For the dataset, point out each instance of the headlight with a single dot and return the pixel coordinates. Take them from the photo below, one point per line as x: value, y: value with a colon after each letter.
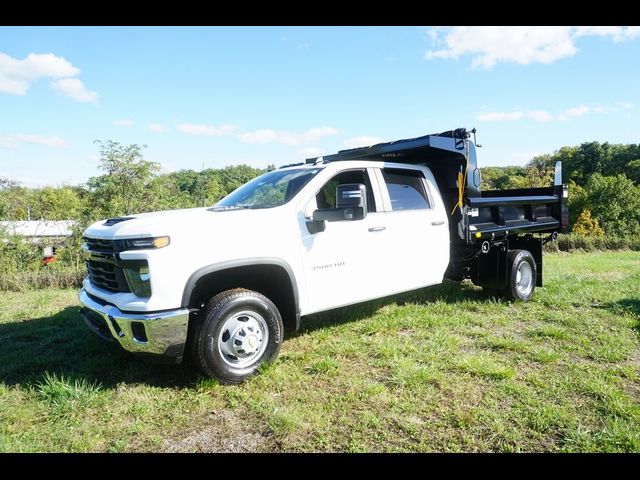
x: 145, y: 243
x: 138, y: 279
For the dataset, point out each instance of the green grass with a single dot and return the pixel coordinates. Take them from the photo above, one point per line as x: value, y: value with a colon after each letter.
x: 441, y: 369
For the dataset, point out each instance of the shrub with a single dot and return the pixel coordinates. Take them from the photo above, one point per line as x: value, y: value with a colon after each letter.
x: 44, y: 278
x: 587, y: 226
x: 568, y: 243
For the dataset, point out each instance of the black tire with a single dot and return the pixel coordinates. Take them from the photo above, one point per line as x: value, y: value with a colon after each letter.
x: 229, y: 310
x: 524, y: 289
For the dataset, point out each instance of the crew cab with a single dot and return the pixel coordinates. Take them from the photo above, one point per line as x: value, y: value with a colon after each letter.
x: 223, y: 284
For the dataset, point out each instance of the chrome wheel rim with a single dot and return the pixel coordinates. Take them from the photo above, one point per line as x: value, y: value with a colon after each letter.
x: 524, y: 279
x: 243, y: 339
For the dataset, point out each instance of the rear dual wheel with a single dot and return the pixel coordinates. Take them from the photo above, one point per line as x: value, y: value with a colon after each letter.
x: 521, y: 276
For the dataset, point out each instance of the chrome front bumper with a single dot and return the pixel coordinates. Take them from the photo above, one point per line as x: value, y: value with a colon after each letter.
x: 158, y: 334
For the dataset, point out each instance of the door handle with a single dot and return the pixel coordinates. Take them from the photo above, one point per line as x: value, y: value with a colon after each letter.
x: 439, y: 222
x: 377, y: 229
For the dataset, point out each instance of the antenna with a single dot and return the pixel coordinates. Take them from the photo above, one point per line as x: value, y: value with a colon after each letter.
x: 473, y: 130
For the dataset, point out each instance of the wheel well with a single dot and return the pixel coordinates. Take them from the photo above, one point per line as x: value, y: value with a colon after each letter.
x: 272, y: 281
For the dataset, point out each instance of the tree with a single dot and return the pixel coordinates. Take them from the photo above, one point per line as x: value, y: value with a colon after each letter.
x: 56, y: 203
x: 501, y: 178
x: 539, y: 171
x: 615, y: 202
x: 15, y: 202
x: 164, y: 194
x: 577, y: 201
x: 6, y: 183
x: 587, y: 226
x: 208, y: 191
x: 123, y: 190
x: 234, y: 176
x: 633, y: 171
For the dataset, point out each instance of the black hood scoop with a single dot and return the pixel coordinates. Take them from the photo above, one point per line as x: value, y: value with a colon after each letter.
x: 113, y: 221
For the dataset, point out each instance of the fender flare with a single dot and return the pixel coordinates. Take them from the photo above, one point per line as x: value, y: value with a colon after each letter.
x: 245, y: 262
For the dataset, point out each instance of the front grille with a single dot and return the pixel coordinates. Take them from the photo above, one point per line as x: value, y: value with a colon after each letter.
x: 103, y: 246
x: 107, y: 276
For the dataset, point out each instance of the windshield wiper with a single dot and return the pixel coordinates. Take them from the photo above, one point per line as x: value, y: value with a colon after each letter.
x: 228, y: 207
x: 257, y: 206
x: 240, y: 207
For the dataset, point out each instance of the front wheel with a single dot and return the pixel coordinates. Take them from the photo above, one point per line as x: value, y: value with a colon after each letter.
x: 241, y: 330
x: 521, y: 277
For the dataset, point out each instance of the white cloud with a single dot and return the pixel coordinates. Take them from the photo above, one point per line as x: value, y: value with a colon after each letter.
x: 13, y: 140
x: 302, y: 46
x: 157, y: 128
x: 314, y: 134
x: 206, y: 130
x: 75, y: 89
x: 523, y: 45
x: 537, y: 115
x: 609, y: 108
x: 259, y: 136
x: 124, y: 123
x: 287, y: 138
x: 581, y: 110
x: 363, y: 141
x: 540, y: 115
x: 310, y: 152
x: 544, y: 116
x: 617, y: 34
x: 16, y: 76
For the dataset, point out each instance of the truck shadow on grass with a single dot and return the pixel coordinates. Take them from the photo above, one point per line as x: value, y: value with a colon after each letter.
x: 448, y: 292
x: 62, y: 345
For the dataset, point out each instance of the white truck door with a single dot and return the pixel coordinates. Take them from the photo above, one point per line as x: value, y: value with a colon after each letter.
x: 416, y: 252
x: 341, y: 262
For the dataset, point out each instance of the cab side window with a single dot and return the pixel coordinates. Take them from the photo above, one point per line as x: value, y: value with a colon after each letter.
x: 326, y: 197
x: 406, y: 189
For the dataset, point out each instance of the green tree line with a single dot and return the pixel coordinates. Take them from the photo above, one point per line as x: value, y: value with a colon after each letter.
x: 604, y: 198
x: 604, y: 185
x: 128, y: 184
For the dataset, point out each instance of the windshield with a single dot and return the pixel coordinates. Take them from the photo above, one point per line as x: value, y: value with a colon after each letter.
x: 269, y: 190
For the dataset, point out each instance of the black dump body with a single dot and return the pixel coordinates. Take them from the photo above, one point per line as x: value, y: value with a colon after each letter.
x: 499, y: 217
x: 485, y: 215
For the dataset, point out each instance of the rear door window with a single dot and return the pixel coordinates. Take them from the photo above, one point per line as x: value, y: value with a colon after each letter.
x: 406, y: 189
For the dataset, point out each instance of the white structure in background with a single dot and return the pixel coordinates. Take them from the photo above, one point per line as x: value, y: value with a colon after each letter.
x: 37, y: 231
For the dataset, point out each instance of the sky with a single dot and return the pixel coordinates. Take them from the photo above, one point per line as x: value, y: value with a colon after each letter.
x: 208, y: 97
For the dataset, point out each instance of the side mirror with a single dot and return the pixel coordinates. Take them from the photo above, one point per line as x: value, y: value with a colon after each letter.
x: 351, y: 204
x: 352, y: 195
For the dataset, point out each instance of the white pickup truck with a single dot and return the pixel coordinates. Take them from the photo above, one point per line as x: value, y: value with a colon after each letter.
x: 224, y: 283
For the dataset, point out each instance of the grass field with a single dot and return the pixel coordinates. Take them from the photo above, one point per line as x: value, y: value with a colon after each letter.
x: 441, y: 369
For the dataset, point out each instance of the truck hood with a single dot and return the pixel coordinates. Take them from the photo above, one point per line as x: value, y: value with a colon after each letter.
x: 184, y: 222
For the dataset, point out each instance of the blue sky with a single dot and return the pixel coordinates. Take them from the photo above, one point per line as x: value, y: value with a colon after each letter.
x: 260, y: 95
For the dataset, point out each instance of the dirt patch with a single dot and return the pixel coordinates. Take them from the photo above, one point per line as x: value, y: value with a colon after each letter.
x: 221, y: 431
